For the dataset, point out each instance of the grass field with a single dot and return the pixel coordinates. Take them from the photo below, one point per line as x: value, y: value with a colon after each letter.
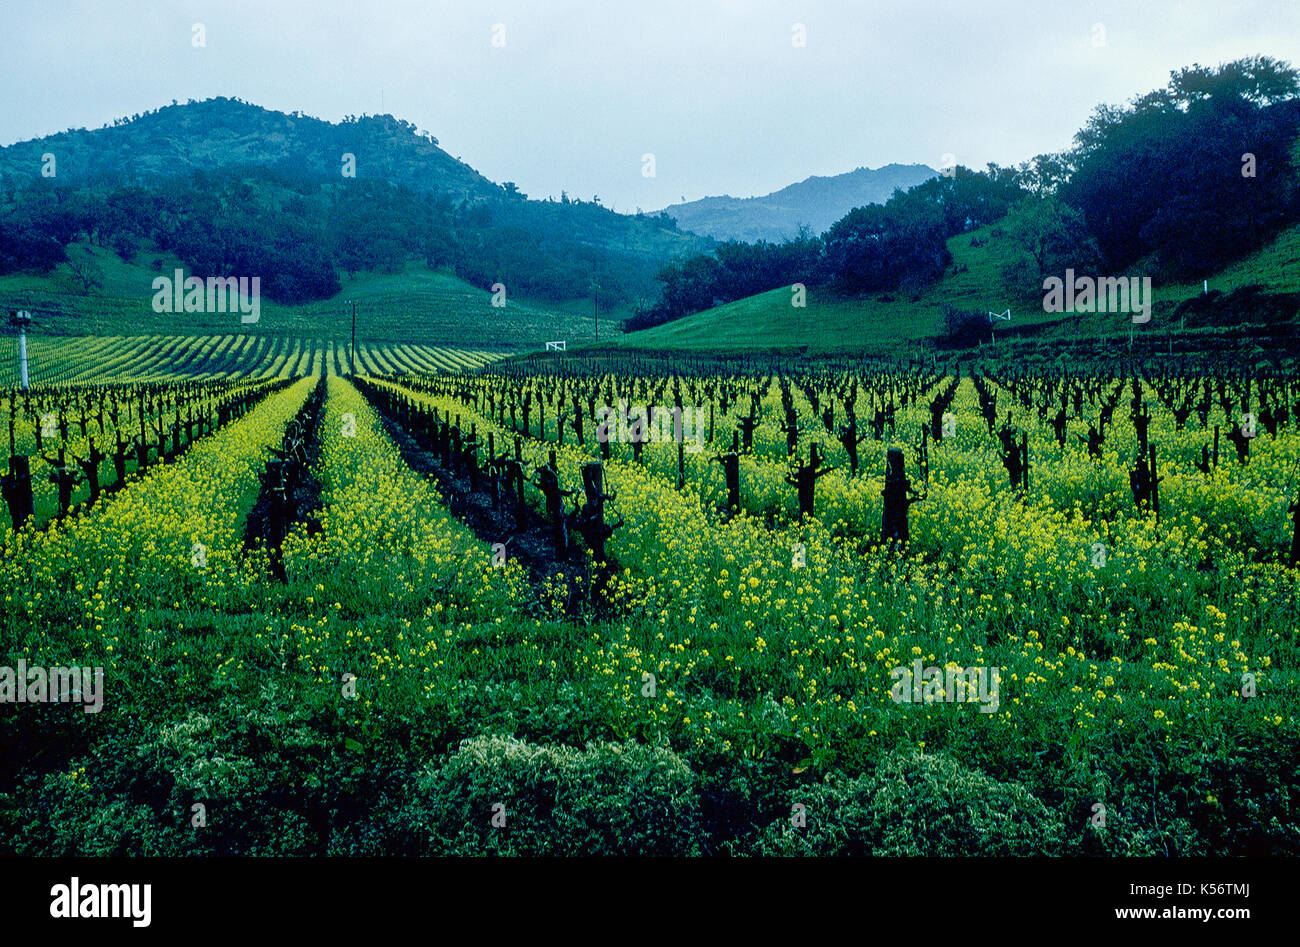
x: 416, y: 305
x: 831, y: 322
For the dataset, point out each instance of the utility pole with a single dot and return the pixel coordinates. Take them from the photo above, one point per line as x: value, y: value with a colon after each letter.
x: 22, y: 319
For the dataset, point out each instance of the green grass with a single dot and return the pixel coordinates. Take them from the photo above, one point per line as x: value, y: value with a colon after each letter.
x: 1276, y: 266
x: 398, y: 684
x: 833, y: 322
x: 416, y: 305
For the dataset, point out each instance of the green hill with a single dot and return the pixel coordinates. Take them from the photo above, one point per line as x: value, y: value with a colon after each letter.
x: 417, y: 305
x: 222, y: 132
x: 232, y: 189
x: 894, y: 322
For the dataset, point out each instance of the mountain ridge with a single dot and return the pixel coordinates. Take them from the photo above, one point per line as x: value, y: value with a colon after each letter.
x: 205, y: 135
x: 816, y: 202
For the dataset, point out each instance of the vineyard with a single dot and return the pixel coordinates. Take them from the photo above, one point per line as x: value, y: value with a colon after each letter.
x: 435, y: 603
x: 95, y: 359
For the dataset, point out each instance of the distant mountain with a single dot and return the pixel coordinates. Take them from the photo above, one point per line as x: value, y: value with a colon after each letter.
x: 817, y: 203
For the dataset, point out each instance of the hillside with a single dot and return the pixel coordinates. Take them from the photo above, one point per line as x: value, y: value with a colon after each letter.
x: 415, y: 305
x: 894, y: 323
x: 177, y: 139
x: 232, y: 189
x: 816, y: 203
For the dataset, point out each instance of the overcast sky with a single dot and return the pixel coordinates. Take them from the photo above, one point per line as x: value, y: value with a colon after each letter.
x: 580, y: 90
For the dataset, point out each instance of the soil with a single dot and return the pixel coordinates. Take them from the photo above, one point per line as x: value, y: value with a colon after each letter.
x: 530, y: 542
x: 306, y: 495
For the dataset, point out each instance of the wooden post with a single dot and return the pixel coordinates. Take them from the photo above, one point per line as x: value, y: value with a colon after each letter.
x: 521, y: 511
x: 804, y: 479
x: 898, y: 496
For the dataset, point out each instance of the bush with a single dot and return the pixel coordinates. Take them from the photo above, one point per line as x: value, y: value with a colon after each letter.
x: 916, y: 804
x: 263, y: 777
x: 965, y: 327
x: 1226, y: 798
x: 610, y: 799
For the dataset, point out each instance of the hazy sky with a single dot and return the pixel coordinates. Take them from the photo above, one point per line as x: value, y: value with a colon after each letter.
x: 716, y: 90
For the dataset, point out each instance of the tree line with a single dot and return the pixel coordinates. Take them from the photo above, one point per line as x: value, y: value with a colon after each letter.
x: 300, y: 232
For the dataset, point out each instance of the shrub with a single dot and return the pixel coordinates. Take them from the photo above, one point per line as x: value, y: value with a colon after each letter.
x: 261, y: 776
x: 610, y: 799
x: 964, y: 327
x: 916, y: 804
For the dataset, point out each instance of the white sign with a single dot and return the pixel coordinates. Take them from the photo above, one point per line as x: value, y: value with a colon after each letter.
x: 1004, y: 316
x: 555, y: 346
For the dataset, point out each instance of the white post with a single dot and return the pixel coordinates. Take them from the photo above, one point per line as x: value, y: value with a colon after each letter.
x: 22, y: 356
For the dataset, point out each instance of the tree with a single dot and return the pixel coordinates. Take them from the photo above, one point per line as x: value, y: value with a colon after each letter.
x: 86, y: 271
x: 1053, y: 235
x: 1162, y: 179
x: 877, y: 247
x: 23, y: 248
x: 968, y: 199
x: 1043, y: 174
x: 1260, y: 80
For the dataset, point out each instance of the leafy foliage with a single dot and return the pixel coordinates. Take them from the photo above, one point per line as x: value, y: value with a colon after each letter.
x: 1168, y: 177
x: 916, y: 805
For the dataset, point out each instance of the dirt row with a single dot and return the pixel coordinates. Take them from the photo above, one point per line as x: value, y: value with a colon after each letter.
x: 290, y: 492
x: 527, y: 538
